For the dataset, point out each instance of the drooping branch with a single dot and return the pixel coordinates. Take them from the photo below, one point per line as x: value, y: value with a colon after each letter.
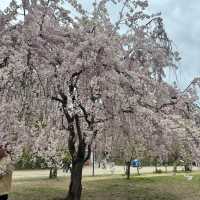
x: 85, y: 114
x: 57, y: 99
x: 63, y: 101
x: 43, y: 16
x: 4, y: 62
x: 71, y: 140
x: 88, y: 153
x: 64, y: 98
x: 78, y: 128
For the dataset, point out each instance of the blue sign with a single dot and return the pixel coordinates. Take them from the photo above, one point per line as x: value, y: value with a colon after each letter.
x: 135, y: 163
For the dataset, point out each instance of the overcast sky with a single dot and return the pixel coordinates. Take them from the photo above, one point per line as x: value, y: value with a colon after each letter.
x: 182, y: 23
x: 181, y: 18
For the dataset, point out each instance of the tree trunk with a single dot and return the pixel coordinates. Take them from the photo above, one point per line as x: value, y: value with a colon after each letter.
x: 53, y: 173
x: 156, y: 165
x: 128, y: 169
x: 165, y: 168
x: 93, y: 163
x: 175, y: 168
x: 187, y: 167
x: 75, y: 187
x: 78, y: 155
x: 138, y: 171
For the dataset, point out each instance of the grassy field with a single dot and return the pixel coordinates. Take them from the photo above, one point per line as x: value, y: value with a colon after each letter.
x: 148, y: 187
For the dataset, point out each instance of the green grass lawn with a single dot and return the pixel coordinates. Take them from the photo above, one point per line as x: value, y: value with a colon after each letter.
x: 111, y: 188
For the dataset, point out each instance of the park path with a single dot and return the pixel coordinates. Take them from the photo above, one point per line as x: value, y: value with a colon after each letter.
x: 87, y: 171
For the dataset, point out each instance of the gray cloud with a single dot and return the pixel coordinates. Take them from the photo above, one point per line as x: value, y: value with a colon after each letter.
x: 182, y: 23
x: 4, y: 3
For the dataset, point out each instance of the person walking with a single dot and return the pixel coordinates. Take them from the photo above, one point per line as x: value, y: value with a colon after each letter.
x: 6, y: 169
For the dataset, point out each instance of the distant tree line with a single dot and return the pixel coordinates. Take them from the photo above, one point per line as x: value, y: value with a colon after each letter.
x: 29, y: 160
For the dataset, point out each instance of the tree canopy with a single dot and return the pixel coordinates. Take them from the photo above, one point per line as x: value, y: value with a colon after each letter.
x: 81, y: 75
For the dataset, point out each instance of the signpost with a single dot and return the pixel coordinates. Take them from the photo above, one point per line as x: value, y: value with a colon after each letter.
x: 137, y: 164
